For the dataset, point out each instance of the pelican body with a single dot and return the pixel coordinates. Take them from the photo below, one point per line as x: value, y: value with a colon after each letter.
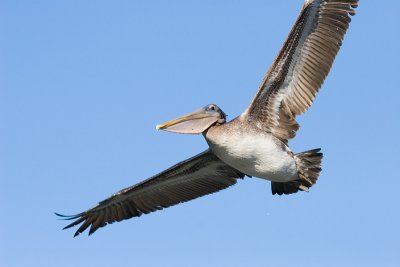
x: 254, y: 144
x: 249, y: 149
x: 252, y: 151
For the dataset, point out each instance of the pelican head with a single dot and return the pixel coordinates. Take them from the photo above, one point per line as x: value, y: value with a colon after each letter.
x: 196, y: 122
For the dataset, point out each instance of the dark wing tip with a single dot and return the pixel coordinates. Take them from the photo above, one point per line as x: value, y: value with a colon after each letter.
x: 61, y: 215
x: 85, y: 219
x: 67, y: 217
x: 79, y: 218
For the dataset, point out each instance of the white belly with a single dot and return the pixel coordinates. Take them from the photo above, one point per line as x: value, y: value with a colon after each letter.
x: 255, y: 154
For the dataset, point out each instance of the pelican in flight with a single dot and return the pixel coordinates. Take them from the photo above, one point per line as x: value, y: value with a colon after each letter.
x: 254, y: 143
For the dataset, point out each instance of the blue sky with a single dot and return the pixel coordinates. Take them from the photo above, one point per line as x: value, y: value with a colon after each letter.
x: 83, y: 84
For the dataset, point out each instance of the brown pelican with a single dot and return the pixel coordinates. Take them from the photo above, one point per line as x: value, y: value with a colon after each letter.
x: 256, y: 142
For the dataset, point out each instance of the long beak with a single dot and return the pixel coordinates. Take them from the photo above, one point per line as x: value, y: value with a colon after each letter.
x: 193, y: 123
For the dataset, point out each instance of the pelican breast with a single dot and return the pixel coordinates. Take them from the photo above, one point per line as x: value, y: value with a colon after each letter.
x: 252, y: 151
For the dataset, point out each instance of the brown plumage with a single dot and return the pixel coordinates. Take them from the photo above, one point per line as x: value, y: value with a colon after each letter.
x: 195, y: 177
x: 254, y: 143
x: 293, y: 80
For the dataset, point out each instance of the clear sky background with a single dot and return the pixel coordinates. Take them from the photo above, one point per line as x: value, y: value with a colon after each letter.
x: 83, y: 84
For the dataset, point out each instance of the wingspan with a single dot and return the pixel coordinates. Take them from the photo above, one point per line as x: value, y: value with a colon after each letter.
x: 293, y: 80
x: 195, y: 177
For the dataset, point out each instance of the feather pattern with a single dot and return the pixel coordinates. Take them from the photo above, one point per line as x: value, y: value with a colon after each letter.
x: 293, y: 80
x: 195, y: 177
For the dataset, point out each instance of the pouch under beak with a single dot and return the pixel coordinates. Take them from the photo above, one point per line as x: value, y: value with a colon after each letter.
x: 193, y: 123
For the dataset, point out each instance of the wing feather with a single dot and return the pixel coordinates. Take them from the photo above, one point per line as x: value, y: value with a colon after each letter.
x: 198, y: 176
x: 300, y: 68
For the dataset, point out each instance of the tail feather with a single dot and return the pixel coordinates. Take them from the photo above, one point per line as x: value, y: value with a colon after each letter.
x: 308, y: 167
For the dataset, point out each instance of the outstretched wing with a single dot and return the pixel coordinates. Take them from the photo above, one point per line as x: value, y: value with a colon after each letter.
x: 195, y: 177
x: 293, y: 80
